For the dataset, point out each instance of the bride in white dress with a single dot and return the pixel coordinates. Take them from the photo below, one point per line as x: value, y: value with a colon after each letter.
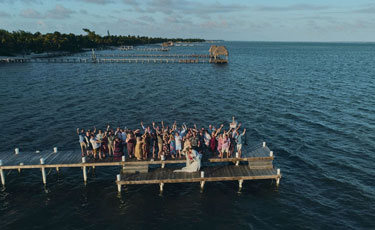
x: 193, y: 161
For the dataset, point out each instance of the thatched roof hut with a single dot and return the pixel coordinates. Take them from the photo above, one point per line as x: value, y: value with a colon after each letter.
x: 212, y: 48
x: 216, y: 51
x: 166, y: 44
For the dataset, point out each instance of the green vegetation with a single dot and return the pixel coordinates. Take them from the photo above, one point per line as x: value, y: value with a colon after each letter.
x: 21, y: 42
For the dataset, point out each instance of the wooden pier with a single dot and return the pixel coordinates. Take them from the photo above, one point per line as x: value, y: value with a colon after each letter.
x: 146, y: 55
x: 258, y: 166
x: 216, y: 56
x: 126, y: 48
x: 108, y: 60
x: 238, y: 173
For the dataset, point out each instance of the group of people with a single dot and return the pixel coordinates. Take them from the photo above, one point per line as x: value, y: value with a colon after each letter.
x: 162, y: 141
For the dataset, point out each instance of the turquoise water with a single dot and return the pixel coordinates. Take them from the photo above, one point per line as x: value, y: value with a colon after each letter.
x: 313, y: 103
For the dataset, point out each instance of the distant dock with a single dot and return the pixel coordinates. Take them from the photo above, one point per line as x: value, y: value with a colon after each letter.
x: 113, y: 60
x: 217, y: 55
x: 126, y: 48
x: 108, y: 60
x: 259, y: 166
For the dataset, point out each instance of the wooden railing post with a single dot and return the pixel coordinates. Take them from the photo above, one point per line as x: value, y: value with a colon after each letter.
x: 123, y: 162
x: 84, y: 169
x: 278, y: 178
x: 118, y: 178
x: 202, y: 182
x: 43, y: 171
x: 2, y: 173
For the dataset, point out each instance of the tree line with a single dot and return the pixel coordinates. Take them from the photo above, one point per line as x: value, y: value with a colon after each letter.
x: 22, y: 42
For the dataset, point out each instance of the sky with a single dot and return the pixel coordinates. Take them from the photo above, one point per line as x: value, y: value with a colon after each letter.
x: 237, y: 20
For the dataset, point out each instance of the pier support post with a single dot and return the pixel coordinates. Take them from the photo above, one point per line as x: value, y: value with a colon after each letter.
x: 271, y: 153
x: 162, y: 163
x: 118, y: 178
x: 240, y: 184
x: 84, y: 169
x: 43, y: 171
x: 57, y: 169
x: 202, y: 182
x: 278, y: 178
x: 2, y: 173
x: 123, y: 162
x: 264, y: 144
x: 16, y: 150
x: 161, y: 187
x: 19, y: 169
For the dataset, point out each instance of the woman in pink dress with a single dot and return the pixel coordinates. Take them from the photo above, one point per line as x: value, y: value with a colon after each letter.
x: 219, y: 145
x: 225, y: 145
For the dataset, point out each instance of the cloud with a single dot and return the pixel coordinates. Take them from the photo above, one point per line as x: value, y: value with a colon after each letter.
x: 295, y: 7
x: 83, y: 12
x: 176, y: 19
x: 365, y: 10
x: 31, y: 13
x: 214, y: 24
x: 23, y: 1
x: 101, y: 2
x: 185, y: 7
x: 131, y: 2
x: 59, y: 12
x: 4, y: 14
x: 41, y: 24
x: 146, y: 18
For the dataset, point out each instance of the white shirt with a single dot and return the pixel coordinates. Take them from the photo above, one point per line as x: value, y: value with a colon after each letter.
x: 178, y: 140
x: 94, y: 144
x: 207, y: 139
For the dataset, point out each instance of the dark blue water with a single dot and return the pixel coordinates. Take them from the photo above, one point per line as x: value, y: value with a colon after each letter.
x: 313, y: 103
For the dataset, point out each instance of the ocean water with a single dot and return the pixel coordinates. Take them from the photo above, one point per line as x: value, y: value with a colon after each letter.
x: 313, y: 103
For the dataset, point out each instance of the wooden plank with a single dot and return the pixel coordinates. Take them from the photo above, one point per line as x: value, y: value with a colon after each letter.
x: 214, y: 173
x: 72, y: 158
x: 197, y: 179
x: 51, y: 158
x: 61, y: 157
x: 5, y: 156
x: 24, y: 157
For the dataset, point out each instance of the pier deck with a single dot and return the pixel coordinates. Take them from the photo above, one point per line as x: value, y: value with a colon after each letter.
x: 73, y: 158
x: 207, y: 174
x: 212, y: 173
x: 258, y: 158
x: 107, y: 60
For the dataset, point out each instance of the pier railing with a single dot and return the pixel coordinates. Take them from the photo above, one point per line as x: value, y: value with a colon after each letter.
x: 259, y: 158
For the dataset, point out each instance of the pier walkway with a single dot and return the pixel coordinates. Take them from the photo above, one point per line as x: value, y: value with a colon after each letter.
x: 238, y: 173
x: 112, y: 60
x: 122, y: 58
x: 142, y: 49
x: 258, y: 165
x: 145, y: 55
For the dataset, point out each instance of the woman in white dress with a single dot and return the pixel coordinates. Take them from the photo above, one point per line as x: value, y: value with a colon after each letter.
x: 193, y: 161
